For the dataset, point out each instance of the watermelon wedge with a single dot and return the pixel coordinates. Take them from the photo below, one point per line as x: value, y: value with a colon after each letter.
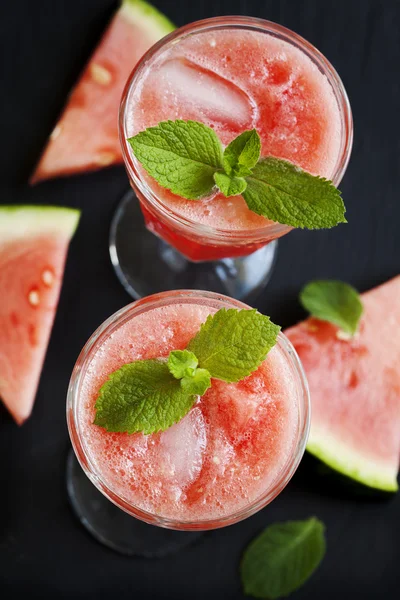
x: 86, y: 136
x: 355, y: 390
x: 33, y: 246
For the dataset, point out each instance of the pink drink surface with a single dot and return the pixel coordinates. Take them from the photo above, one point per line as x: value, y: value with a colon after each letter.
x: 227, y: 452
x: 235, y: 80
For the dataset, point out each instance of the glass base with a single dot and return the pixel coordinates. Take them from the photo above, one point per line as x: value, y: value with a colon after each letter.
x: 145, y: 264
x: 114, y: 528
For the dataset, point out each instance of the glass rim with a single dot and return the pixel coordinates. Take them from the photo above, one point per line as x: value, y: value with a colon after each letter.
x: 98, y: 337
x: 153, y: 202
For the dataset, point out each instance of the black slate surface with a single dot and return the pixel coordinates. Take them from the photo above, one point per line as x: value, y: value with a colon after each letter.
x: 43, y: 550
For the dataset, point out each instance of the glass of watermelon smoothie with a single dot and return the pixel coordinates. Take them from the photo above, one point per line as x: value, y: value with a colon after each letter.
x: 230, y: 456
x: 232, y: 74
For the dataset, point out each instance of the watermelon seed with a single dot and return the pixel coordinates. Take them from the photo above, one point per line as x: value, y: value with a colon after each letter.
x: 32, y: 335
x: 216, y: 460
x: 14, y: 319
x: 34, y: 298
x: 343, y: 335
x: 56, y: 132
x: 100, y: 74
x: 47, y: 277
x: 105, y: 159
x: 353, y: 381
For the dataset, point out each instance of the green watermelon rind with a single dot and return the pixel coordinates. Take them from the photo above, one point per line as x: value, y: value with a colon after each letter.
x: 21, y: 221
x: 147, y: 17
x: 348, y: 462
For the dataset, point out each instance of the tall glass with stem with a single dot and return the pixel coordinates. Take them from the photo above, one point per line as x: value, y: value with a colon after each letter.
x: 233, y: 74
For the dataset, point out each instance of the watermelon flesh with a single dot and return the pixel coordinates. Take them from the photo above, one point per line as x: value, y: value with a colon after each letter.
x: 355, y: 390
x: 86, y: 136
x: 33, y: 247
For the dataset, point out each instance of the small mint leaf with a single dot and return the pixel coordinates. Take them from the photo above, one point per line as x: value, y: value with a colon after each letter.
x: 333, y: 301
x: 282, y: 558
x: 284, y: 193
x: 229, y: 185
x: 232, y: 343
x: 182, y: 363
x: 243, y: 151
x: 142, y: 396
x: 198, y: 383
x: 241, y: 171
x: 182, y: 156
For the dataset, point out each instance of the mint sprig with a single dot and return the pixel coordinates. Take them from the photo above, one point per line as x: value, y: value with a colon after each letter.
x: 333, y: 301
x: 151, y: 395
x: 187, y: 158
x: 282, y: 558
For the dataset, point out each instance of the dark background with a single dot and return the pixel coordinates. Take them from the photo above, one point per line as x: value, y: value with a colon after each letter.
x: 43, y: 549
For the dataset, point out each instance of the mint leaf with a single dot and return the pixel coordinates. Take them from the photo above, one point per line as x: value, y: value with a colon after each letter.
x: 333, y: 301
x: 182, y: 363
x: 232, y: 343
x: 242, y: 171
x: 242, y: 154
x: 282, y: 558
x: 284, y: 193
x: 198, y: 383
x: 142, y: 396
x: 230, y: 185
x: 182, y: 156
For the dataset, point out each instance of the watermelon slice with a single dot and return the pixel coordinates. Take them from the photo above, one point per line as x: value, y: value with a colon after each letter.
x: 355, y: 390
x: 86, y: 136
x: 33, y: 246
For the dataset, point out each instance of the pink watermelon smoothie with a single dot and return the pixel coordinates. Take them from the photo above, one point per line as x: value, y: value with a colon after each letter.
x: 233, y: 80
x: 232, y: 448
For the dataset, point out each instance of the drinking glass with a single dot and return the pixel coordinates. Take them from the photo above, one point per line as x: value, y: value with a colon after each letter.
x: 111, y: 518
x: 169, y: 251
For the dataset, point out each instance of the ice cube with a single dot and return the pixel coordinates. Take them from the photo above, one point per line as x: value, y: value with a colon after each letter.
x: 190, y: 87
x: 183, y: 446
